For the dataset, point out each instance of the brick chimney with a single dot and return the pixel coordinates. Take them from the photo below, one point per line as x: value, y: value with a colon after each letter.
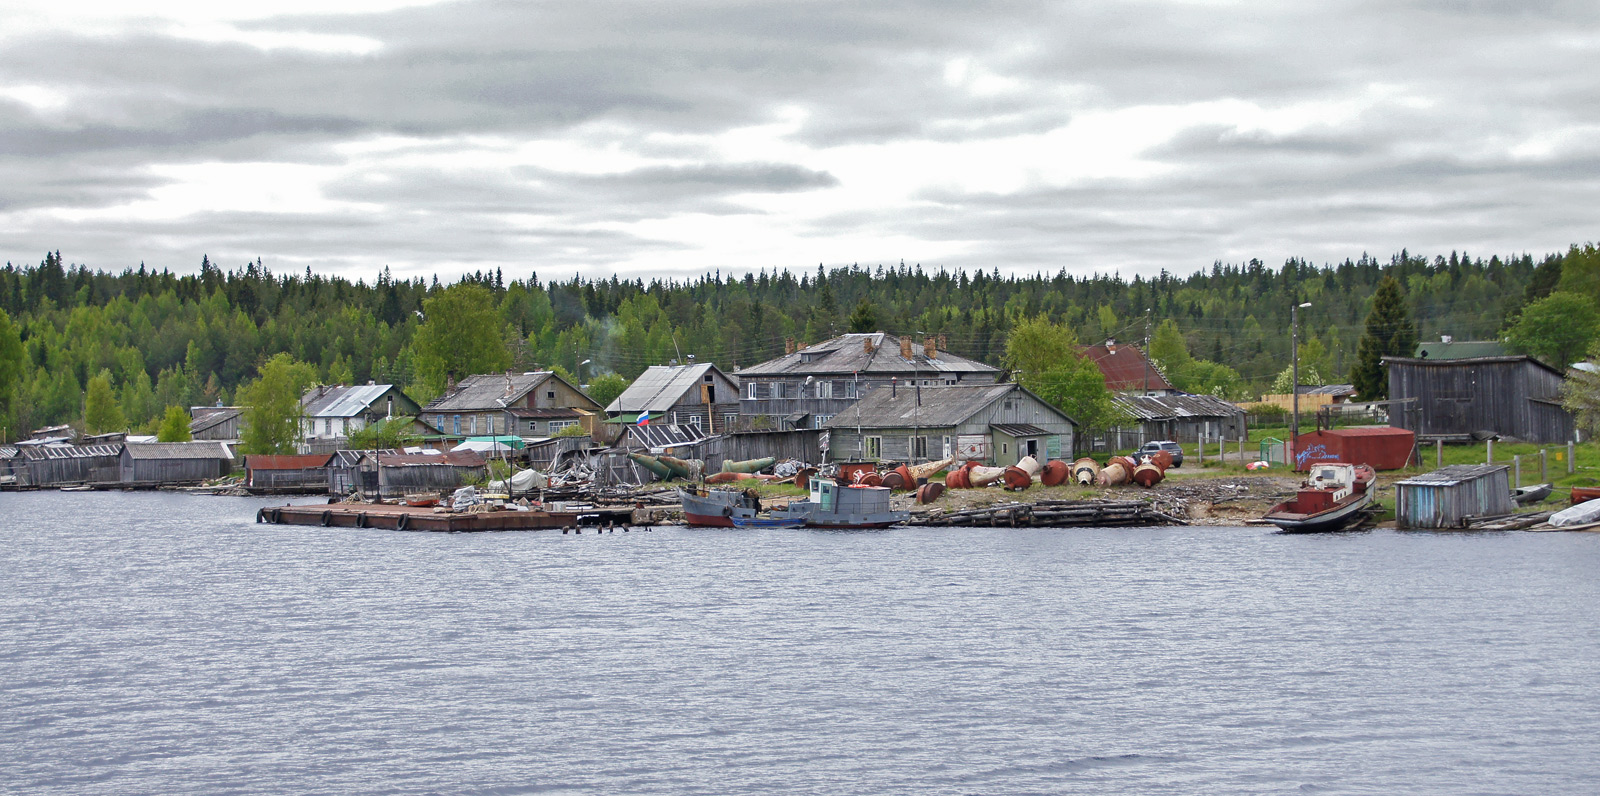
x: 930, y: 347
x: 866, y: 344
x: 905, y: 348
x: 943, y: 346
x: 788, y: 346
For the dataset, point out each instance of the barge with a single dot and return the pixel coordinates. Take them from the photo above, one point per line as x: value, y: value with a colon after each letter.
x: 416, y: 518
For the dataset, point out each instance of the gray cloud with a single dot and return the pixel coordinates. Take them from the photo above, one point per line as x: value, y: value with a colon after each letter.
x: 1428, y: 124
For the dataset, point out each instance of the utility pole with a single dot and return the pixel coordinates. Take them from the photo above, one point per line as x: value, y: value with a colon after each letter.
x: 1294, y: 388
x: 1147, y: 350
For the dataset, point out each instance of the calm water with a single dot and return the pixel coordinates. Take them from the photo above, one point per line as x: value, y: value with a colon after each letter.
x: 166, y: 644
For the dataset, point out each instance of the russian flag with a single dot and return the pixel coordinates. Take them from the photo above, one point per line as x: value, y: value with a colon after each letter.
x: 644, y: 418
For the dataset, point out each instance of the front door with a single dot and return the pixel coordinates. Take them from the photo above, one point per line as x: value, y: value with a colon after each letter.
x: 1032, y: 448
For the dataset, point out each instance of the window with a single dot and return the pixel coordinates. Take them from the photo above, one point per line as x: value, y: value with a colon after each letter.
x: 533, y: 426
x: 874, y: 448
x: 750, y: 390
x: 488, y: 423
x: 694, y: 420
x: 919, y: 447
x: 729, y: 421
x: 824, y: 389
x: 557, y: 425
x: 327, y: 427
x: 551, y: 395
x: 946, y: 448
x: 455, y: 422
x: 817, y: 421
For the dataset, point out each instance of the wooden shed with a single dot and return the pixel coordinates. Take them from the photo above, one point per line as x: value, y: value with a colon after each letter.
x: 1448, y: 497
x: 166, y: 463
x: 1184, y: 418
x: 998, y: 423
x: 288, y: 472
x: 13, y: 468
x: 401, y: 474
x: 1513, y: 396
x: 72, y: 464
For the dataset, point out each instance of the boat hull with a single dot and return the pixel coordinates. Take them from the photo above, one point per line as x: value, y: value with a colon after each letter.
x: 1341, y: 516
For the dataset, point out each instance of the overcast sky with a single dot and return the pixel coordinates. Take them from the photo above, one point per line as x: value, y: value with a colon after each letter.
x: 666, y: 138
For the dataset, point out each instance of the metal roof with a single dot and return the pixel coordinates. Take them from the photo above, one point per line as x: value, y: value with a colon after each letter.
x: 1366, y: 431
x: 1168, y: 407
x: 941, y: 406
x: 341, y: 401
x: 1452, y: 475
x: 177, y: 450
x: 1328, y: 389
x: 665, y: 436
x: 452, y: 459
x: 9, y: 452
x: 487, y: 391
x: 1465, y: 361
x: 661, y: 386
x: 1460, y: 349
x: 849, y: 353
x: 1125, y: 367
x: 1020, y: 429
x: 558, y: 413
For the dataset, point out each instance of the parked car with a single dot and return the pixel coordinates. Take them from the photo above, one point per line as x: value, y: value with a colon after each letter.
x: 1163, y: 445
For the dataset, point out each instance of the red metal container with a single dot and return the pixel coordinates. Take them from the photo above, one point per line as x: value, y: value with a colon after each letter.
x: 1382, y: 447
x: 1056, y: 473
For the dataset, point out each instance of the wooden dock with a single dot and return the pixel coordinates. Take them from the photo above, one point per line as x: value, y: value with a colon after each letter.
x: 1051, y: 514
x: 412, y: 518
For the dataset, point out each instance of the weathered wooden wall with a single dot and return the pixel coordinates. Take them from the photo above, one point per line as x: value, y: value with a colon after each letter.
x: 1511, y: 397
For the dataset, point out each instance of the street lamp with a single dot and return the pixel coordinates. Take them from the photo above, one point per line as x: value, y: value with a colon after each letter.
x: 1294, y: 355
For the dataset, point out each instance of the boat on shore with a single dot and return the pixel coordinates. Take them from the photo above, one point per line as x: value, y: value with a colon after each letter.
x: 854, y: 507
x: 1524, y: 495
x: 1333, y: 498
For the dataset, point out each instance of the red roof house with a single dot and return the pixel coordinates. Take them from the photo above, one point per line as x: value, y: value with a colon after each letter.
x: 1126, y: 370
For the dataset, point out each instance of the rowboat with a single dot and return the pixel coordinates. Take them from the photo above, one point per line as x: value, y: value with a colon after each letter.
x: 1333, y: 498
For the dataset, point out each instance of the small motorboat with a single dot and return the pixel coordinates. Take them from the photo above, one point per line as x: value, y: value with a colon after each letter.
x: 1525, y: 495
x: 790, y: 516
x: 1333, y: 498
x: 853, y: 507
x: 422, y: 500
x: 1584, y: 494
x: 716, y: 508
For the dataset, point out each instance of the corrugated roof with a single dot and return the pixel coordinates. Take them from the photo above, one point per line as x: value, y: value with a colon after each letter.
x: 1124, y: 368
x: 1368, y: 431
x: 941, y: 406
x: 72, y: 451
x: 1328, y: 389
x: 665, y: 436
x: 8, y: 452
x: 847, y: 354
x: 1452, y: 475
x: 1465, y: 361
x: 661, y: 386
x: 177, y: 450
x: 1020, y: 429
x: 341, y: 401
x: 307, y: 462
x: 487, y: 391
x: 1463, y: 349
x: 1168, y: 407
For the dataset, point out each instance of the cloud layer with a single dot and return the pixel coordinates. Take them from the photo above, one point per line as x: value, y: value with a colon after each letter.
x: 660, y: 139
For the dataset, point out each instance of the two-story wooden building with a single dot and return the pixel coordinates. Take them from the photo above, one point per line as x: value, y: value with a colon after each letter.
x: 809, y: 385
x: 334, y: 412
x: 995, y: 423
x: 698, y: 395
x: 508, y: 403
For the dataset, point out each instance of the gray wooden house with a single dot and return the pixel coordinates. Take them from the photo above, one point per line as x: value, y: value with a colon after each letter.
x: 698, y: 395
x: 166, y: 463
x: 307, y: 471
x: 994, y: 423
x: 401, y: 474
x: 809, y: 385
x: 216, y: 422
x: 487, y: 404
x: 333, y: 412
x: 1513, y: 396
x: 13, y: 468
x: 1183, y: 418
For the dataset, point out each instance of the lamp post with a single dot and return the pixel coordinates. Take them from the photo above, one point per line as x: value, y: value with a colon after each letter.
x: 1294, y: 358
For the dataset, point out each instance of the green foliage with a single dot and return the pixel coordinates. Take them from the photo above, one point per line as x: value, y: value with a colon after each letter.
x: 1556, y: 329
x: 571, y: 431
x: 606, y: 387
x: 1580, y: 395
x: 1580, y: 272
x: 101, y: 412
x: 1044, y: 358
x: 12, y: 362
x: 385, y: 434
x: 460, y: 336
x: 1168, y: 350
x: 174, y: 426
x: 1389, y: 332
x: 864, y: 319
x: 273, y: 415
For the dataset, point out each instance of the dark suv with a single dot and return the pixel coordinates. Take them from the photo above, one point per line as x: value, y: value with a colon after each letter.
x: 1167, y: 445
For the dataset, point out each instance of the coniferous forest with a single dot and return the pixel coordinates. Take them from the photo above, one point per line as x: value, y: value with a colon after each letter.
x: 158, y: 338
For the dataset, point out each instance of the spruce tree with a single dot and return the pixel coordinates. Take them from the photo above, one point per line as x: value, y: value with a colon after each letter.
x: 1389, y: 333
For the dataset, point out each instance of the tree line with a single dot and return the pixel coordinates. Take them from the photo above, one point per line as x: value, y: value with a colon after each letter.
x: 132, y: 343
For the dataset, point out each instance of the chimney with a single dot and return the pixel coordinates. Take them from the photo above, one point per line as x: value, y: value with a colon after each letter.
x: 930, y: 347
x: 801, y: 346
x: 788, y: 346
x: 1111, y: 344
x: 1444, y: 338
x: 943, y: 346
x: 905, y: 348
x: 866, y: 344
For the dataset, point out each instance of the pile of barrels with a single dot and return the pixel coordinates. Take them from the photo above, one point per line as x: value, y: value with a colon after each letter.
x: 1147, y: 472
